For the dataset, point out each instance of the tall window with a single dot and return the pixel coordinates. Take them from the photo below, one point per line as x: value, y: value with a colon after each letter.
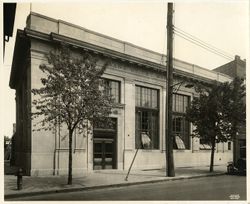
x: 181, y: 126
x: 147, y: 118
x: 112, y: 88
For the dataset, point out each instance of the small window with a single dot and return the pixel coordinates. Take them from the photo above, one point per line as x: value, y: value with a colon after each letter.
x: 146, y: 97
x: 229, y: 146
x: 112, y: 88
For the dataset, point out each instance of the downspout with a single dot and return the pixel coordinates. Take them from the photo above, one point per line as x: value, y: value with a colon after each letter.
x: 59, y: 146
x: 54, y: 158
x: 87, y: 152
x: 162, y: 145
x: 124, y: 126
x: 74, y: 142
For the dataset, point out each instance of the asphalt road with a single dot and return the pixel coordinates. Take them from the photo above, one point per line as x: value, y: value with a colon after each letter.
x: 223, y: 187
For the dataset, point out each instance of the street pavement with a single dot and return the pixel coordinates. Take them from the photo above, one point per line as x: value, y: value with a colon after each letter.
x: 224, y: 187
x: 99, y: 179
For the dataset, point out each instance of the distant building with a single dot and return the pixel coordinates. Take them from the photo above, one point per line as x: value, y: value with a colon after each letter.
x: 236, y: 68
x: 137, y: 79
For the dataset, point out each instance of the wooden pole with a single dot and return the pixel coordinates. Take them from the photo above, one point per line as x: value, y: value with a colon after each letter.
x: 169, y: 96
x: 131, y: 165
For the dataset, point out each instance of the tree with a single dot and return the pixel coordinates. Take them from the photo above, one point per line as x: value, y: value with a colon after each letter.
x: 72, y: 93
x: 217, y: 113
x: 236, y: 109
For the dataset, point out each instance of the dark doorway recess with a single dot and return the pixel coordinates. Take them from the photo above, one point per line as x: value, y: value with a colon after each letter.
x: 104, y: 146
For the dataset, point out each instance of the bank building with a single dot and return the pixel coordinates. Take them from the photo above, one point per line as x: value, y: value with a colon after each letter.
x: 137, y: 79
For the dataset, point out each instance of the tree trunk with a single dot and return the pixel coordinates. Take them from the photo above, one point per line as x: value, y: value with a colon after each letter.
x: 70, y: 158
x: 235, y: 144
x: 212, y: 156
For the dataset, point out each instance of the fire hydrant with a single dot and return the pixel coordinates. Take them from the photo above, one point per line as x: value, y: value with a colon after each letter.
x: 19, y: 175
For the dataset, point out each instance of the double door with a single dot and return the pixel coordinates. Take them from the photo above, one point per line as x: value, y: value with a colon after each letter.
x: 104, y: 153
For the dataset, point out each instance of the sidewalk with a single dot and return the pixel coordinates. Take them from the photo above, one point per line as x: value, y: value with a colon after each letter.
x: 100, y: 179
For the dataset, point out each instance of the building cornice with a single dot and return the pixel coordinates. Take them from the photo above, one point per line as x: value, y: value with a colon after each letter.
x: 181, y: 68
x: 56, y: 38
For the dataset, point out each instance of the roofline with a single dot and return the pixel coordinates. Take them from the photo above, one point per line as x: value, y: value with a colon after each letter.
x: 53, y: 37
x: 93, y: 32
x: 160, y: 63
x: 155, y: 62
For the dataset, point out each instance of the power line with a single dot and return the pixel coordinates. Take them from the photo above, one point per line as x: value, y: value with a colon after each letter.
x: 201, y: 41
x: 204, y: 47
x: 202, y: 44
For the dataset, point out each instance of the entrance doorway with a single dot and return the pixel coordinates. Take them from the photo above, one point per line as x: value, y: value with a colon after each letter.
x: 104, y: 147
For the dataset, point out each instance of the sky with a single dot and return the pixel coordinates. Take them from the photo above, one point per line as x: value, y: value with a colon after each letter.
x: 223, y: 24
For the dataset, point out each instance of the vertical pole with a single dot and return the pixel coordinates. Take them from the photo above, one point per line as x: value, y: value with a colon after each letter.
x: 169, y: 84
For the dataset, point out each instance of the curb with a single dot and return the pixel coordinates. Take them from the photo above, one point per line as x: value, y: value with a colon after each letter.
x: 18, y: 195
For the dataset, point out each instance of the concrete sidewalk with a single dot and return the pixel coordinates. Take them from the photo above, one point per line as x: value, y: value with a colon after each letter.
x: 100, y: 179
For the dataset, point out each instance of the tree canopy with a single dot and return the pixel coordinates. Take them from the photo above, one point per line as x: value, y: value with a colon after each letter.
x: 72, y: 92
x: 218, y: 112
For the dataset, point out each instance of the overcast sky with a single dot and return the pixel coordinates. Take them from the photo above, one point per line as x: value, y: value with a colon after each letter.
x: 223, y: 24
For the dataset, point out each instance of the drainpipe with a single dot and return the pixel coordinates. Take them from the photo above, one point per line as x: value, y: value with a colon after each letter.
x: 59, y: 146
x: 54, y: 158
x: 87, y: 152
x: 124, y: 128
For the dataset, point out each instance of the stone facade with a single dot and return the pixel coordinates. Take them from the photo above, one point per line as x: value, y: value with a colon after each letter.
x: 46, y: 153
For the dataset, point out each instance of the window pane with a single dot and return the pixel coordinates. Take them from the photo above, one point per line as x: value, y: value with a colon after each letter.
x: 181, y: 104
x: 138, y: 95
x: 174, y: 101
x: 185, y: 104
x: 155, y: 130
x: 154, y: 99
x: 137, y: 130
x: 143, y: 97
x: 149, y: 98
x: 177, y: 103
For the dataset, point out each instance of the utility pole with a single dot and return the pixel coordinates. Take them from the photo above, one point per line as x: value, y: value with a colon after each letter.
x: 169, y: 96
